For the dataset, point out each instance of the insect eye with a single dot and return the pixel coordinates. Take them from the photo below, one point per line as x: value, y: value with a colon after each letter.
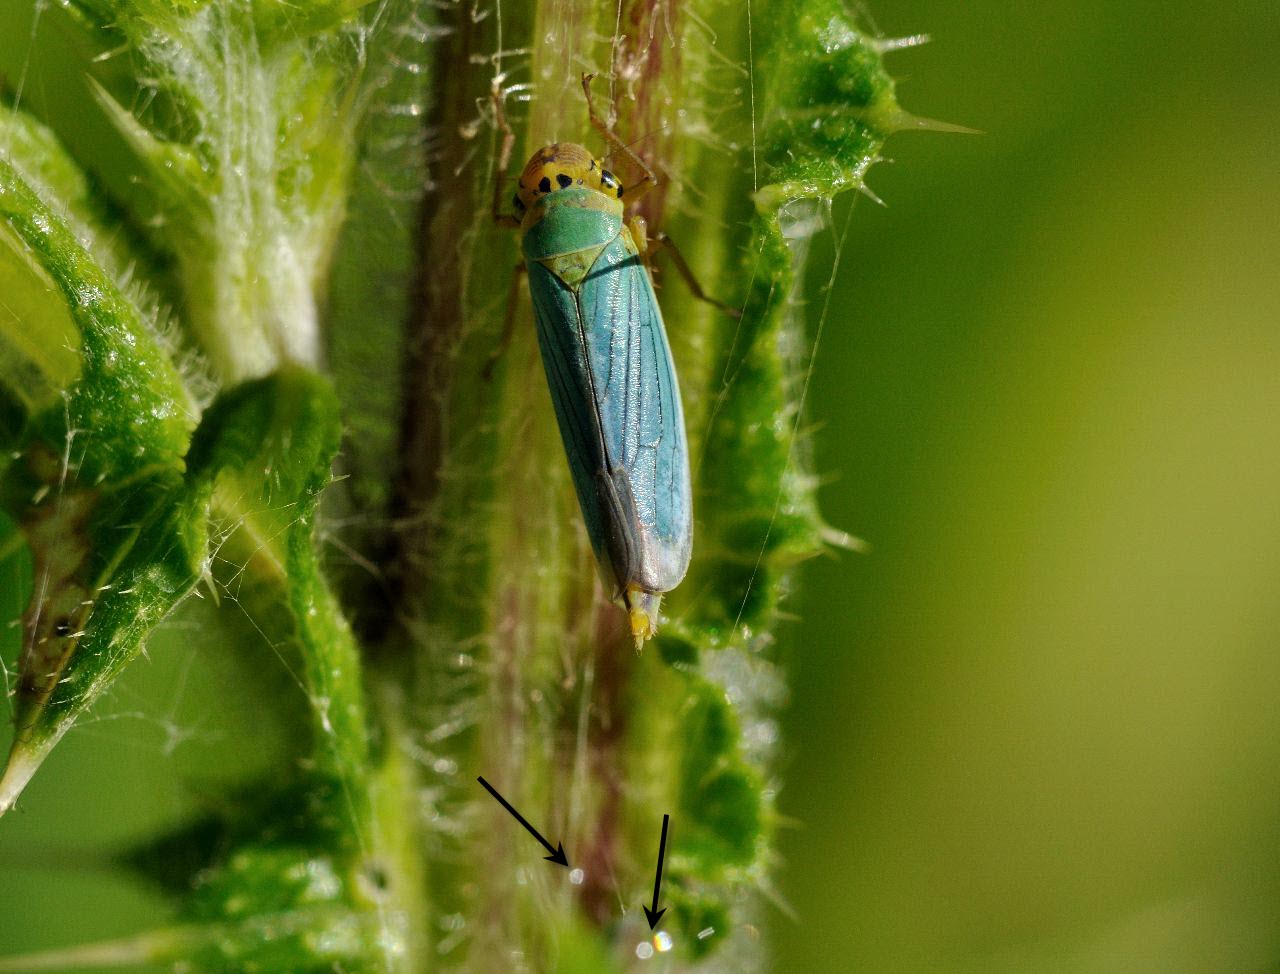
x: 609, y: 181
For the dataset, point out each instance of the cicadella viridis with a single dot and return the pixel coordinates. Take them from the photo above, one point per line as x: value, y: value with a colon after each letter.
x: 607, y: 361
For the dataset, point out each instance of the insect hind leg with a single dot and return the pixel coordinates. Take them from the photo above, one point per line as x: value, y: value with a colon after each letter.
x: 660, y: 242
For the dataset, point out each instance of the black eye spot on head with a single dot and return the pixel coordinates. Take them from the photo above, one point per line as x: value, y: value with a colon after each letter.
x: 545, y: 185
x: 564, y: 179
x: 619, y: 191
x: 607, y: 179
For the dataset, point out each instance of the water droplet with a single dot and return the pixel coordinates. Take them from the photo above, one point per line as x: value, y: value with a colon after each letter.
x: 644, y: 950
x: 576, y: 876
x: 662, y: 940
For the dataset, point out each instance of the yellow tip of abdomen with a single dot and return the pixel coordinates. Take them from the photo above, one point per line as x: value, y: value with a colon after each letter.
x: 642, y: 610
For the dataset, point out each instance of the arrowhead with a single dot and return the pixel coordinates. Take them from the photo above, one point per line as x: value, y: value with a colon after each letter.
x: 559, y: 856
x: 654, y: 916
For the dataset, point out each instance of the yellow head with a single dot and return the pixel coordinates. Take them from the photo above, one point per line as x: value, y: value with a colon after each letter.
x: 560, y: 166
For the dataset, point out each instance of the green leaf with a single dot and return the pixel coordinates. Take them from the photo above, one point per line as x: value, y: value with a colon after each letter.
x: 240, y: 162
x: 268, y: 884
x: 719, y: 795
x: 263, y: 453
x: 97, y: 487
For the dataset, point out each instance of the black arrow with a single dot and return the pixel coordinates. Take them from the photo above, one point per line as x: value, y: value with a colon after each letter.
x: 655, y: 914
x: 557, y: 854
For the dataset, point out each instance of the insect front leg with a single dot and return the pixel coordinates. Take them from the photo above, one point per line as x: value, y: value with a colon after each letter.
x: 504, y: 158
x: 508, y: 324
x: 639, y: 228
x: 629, y: 193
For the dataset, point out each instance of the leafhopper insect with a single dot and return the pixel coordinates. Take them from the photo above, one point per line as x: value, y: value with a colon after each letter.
x: 607, y: 361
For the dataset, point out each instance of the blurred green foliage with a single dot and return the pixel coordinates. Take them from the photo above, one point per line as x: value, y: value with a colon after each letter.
x: 1035, y: 729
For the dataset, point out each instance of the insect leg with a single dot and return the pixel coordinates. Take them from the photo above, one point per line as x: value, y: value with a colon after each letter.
x: 508, y: 324
x: 639, y: 228
x: 504, y: 158
x: 663, y: 242
x: 629, y: 193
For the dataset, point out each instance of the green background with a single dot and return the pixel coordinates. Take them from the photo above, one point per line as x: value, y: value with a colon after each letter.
x: 1035, y: 729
